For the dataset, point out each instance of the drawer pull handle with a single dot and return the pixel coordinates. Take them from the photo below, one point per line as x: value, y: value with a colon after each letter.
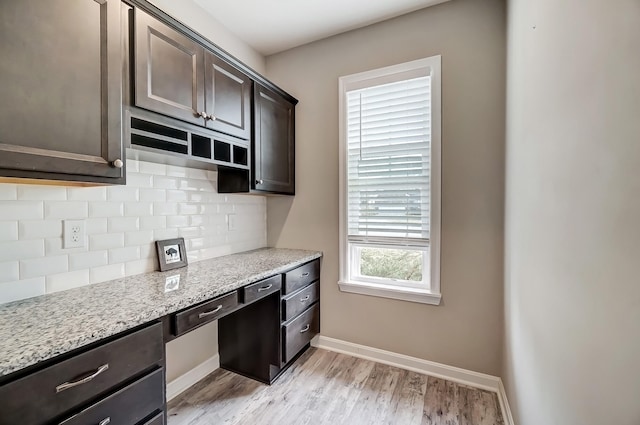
x: 265, y: 288
x: 68, y: 385
x: 305, y: 298
x: 105, y: 421
x: 209, y: 313
x: 305, y: 329
x: 305, y: 274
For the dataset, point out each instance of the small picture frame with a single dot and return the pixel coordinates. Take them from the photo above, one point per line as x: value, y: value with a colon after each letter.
x: 171, y: 254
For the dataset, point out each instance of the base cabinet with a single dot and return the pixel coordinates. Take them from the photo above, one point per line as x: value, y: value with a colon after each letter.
x: 256, y: 341
x: 93, y: 386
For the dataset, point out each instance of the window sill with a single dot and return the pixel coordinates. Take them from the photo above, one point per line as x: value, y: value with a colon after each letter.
x: 386, y: 291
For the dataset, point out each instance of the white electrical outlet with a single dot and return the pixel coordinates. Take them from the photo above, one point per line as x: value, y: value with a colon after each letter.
x: 231, y: 222
x: 74, y: 234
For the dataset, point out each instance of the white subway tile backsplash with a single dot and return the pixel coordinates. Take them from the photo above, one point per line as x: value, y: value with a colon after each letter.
x: 152, y: 223
x: 106, y: 241
x: 25, y: 210
x: 133, y: 166
x: 8, y: 231
x: 41, y: 193
x: 139, y: 266
x: 87, y: 260
x: 163, y: 182
x: 165, y: 208
x: 174, y: 171
x: 123, y: 255
x: 63, y: 281
x: 138, y: 209
x: 8, y: 192
x: 198, y: 220
x: 153, y: 195
x: 16, y: 250
x: 104, y: 273
x: 177, y: 196
x: 53, y: 246
x: 162, y: 234
x: 177, y: 221
x: 65, y: 210
x: 87, y: 193
x: 148, y: 251
x: 43, y: 266
x: 96, y: 225
x: 153, y: 168
x: 123, y: 224
x: 21, y: 289
x: 140, y: 180
x: 194, y: 173
x: 191, y: 209
x: 141, y: 237
x: 106, y: 209
x: 39, y: 229
x: 9, y: 271
x: 123, y: 194
x: 190, y: 232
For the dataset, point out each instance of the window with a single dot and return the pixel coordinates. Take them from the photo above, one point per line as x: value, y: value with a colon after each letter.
x: 390, y: 182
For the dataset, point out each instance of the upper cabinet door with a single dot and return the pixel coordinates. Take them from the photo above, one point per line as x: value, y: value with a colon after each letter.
x: 169, y: 76
x: 61, y: 90
x: 228, y: 98
x: 274, y: 142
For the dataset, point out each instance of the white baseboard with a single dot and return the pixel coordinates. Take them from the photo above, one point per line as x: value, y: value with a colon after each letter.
x: 183, y: 382
x: 438, y: 370
x: 504, y: 405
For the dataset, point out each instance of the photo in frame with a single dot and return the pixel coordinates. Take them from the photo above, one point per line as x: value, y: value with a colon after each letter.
x: 172, y: 254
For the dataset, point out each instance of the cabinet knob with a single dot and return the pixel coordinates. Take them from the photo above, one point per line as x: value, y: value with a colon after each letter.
x: 201, y: 114
x: 212, y: 117
x: 259, y: 181
x: 118, y: 163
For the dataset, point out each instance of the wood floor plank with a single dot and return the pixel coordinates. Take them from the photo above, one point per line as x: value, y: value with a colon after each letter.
x: 441, y: 403
x: 326, y: 388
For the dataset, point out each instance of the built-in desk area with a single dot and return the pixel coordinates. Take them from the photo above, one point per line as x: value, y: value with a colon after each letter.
x: 96, y: 354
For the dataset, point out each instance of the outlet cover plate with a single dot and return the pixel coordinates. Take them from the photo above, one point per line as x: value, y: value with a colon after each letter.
x: 74, y: 234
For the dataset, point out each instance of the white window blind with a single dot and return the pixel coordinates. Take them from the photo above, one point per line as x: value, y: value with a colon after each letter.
x: 388, y: 163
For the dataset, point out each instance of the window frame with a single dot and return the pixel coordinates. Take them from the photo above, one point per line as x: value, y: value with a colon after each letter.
x: 423, y: 293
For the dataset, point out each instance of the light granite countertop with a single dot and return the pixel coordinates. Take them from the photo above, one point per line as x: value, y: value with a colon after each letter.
x: 40, y: 328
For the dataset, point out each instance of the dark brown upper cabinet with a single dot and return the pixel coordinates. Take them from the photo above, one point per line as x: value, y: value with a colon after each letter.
x: 228, y: 98
x: 169, y: 71
x: 61, y: 90
x: 274, y: 142
x: 177, y: 77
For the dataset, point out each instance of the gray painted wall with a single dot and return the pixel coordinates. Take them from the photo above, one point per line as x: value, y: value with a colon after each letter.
x: 466, y: 330
x: 572, y: 293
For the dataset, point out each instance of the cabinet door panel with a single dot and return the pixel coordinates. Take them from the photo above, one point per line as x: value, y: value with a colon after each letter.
x: 61, y: 87
x: 274, y: 150
x: 228, y: 98
x: 168, y: 71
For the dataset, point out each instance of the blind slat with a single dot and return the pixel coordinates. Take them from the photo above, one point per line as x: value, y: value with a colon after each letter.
x: 388, y: 161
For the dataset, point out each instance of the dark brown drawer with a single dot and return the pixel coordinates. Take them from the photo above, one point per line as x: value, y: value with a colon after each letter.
x: 298, y: 302
x: 205, y: 313
x: 56, y: 389
x: 297, y: 333
x: 156, y: 420
x: 301, y: 276
x: 130, y: 405
x: 265, y: 287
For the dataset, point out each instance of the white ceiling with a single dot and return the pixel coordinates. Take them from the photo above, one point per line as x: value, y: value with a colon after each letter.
x: 271, y: 26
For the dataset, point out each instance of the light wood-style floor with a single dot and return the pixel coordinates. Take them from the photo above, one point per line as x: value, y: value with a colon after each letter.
x: 323, y: 387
